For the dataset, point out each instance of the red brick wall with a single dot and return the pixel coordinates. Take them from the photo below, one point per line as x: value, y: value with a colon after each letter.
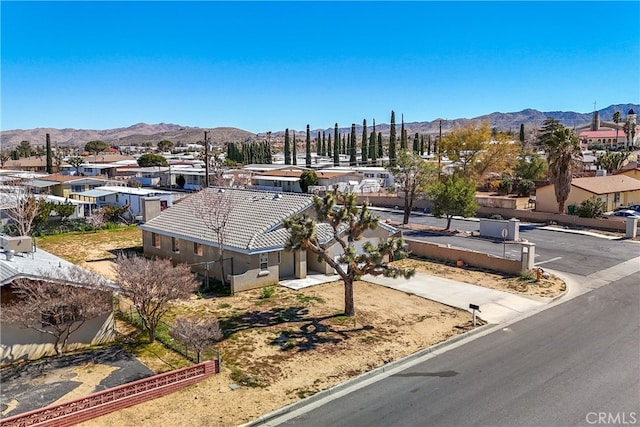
x: 101, y: 403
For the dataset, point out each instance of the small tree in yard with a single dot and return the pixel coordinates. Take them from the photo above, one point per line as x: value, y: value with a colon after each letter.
x: 76, y: 162
x: 64, y: 210
x: 454, y: 196
x: 27, y: 212
x: 214, y: 208
x: 152, y: 284
x: 345, y: 223
x: 307, y: 179
x: 197, y: 333
x: 58, y: 305
x: 413, y: 175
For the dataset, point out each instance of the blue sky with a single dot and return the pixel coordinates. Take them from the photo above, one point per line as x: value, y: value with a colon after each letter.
x: 263, y: 66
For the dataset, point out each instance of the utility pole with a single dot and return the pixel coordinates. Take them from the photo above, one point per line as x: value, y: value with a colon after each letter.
x: 437, y: 148
x: 206, y: 160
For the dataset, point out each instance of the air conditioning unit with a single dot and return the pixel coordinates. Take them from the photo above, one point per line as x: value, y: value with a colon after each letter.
x: 17, y: 244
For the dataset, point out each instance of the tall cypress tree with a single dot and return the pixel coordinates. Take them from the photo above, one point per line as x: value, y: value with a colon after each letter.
x: 429, y: 146
x: 336, y: 146
x: 522, y: 132
x: 329, y: 151
x: 323, y: 147
x: 307, y: 154
x: 365, y: 147
x: 372, y: 144
x: 352, y: 146
x: 403, y: 136
x: 422, y: 145
x: 287, y: 148
x: 318, y: 145
x: 49, y: 155
x: 416, y: 143
x: 392, y: 139
x: 294, y: 150
x: 380, y: 147
x: 344, y: 144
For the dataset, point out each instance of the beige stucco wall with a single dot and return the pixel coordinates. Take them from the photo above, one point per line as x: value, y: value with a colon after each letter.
x: 18, y: 343
x: 546, y: 199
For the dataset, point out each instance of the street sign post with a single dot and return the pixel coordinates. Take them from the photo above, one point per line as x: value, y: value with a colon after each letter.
x: 474, y: 307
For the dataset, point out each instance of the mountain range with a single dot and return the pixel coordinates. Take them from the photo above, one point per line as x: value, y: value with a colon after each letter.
x: 143, y: 133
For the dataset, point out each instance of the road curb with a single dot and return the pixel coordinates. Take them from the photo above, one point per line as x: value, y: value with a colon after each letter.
x: 263, y: 420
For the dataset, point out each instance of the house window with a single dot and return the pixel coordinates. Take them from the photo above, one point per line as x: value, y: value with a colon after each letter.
x: 279, y: 258
x: 197, y: 249
x: 155, y: 240
x: 264, y: 262
x: 77, y: 188
x: 175, y: 244
x: 616, y: 197
x: 117, y: 198
x: 384, y: 175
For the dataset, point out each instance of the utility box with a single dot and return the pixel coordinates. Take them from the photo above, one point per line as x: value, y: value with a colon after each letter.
x: 17, y: 244
x: 632, y: 227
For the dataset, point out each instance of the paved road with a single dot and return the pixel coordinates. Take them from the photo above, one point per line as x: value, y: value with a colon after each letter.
x: 562, y: 251
x: 528, y: 374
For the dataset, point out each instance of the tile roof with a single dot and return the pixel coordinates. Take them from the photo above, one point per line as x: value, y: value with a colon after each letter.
x: 607, y: 184
x: 255, y: 223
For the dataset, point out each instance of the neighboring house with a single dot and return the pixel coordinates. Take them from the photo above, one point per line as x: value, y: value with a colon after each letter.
x: 98, y: 169
x: 254, y: 241
x: 120, y: 196
x: 64, y: 185
x: 150, y: 176
x: 613, y: 190
x: 20, y: 343
x: 29, y: 164
x: 631, y: 169
x: 378, y: 173
x: 285, y: 180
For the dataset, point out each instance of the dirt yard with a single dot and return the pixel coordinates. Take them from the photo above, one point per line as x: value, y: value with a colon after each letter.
x: 280, y: 349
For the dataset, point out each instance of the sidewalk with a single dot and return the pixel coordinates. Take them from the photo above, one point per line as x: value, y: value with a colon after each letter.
x: 495, y: 306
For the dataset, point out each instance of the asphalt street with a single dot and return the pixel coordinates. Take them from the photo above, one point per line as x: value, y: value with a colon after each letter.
x: 585, y: 367
x: 557, y: 250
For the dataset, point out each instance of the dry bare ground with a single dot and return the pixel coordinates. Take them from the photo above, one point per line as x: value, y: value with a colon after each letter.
x: 295, y: 343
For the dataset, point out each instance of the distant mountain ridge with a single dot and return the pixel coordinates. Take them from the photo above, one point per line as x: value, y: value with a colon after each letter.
x: 141, y: 133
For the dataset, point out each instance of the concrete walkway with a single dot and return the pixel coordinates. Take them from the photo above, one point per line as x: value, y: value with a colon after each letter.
x: 495, y: 306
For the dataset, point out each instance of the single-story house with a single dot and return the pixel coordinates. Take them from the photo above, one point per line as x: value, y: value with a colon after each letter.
x: 120, y: 196
x: 254, y: 238
x: 64, y: 185
x: 20, y: 343
x: 631, y: 169
x: 613, y: 190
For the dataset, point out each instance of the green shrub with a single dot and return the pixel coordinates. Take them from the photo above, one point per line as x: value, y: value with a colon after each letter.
x: 590, y: 208
x: 267, y: 292
x: 525, y: 186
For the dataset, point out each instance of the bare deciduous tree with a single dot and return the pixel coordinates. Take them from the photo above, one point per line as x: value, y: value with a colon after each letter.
x: 197, y: 333
x: 215, y: 206
x: 58, y: 305
x: 26, y: 210
x: 152, y: 284
x: 97, y: 219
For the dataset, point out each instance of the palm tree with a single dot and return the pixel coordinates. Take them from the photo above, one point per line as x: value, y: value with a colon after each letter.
x: 616, y: 120
x: 561, y: 147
